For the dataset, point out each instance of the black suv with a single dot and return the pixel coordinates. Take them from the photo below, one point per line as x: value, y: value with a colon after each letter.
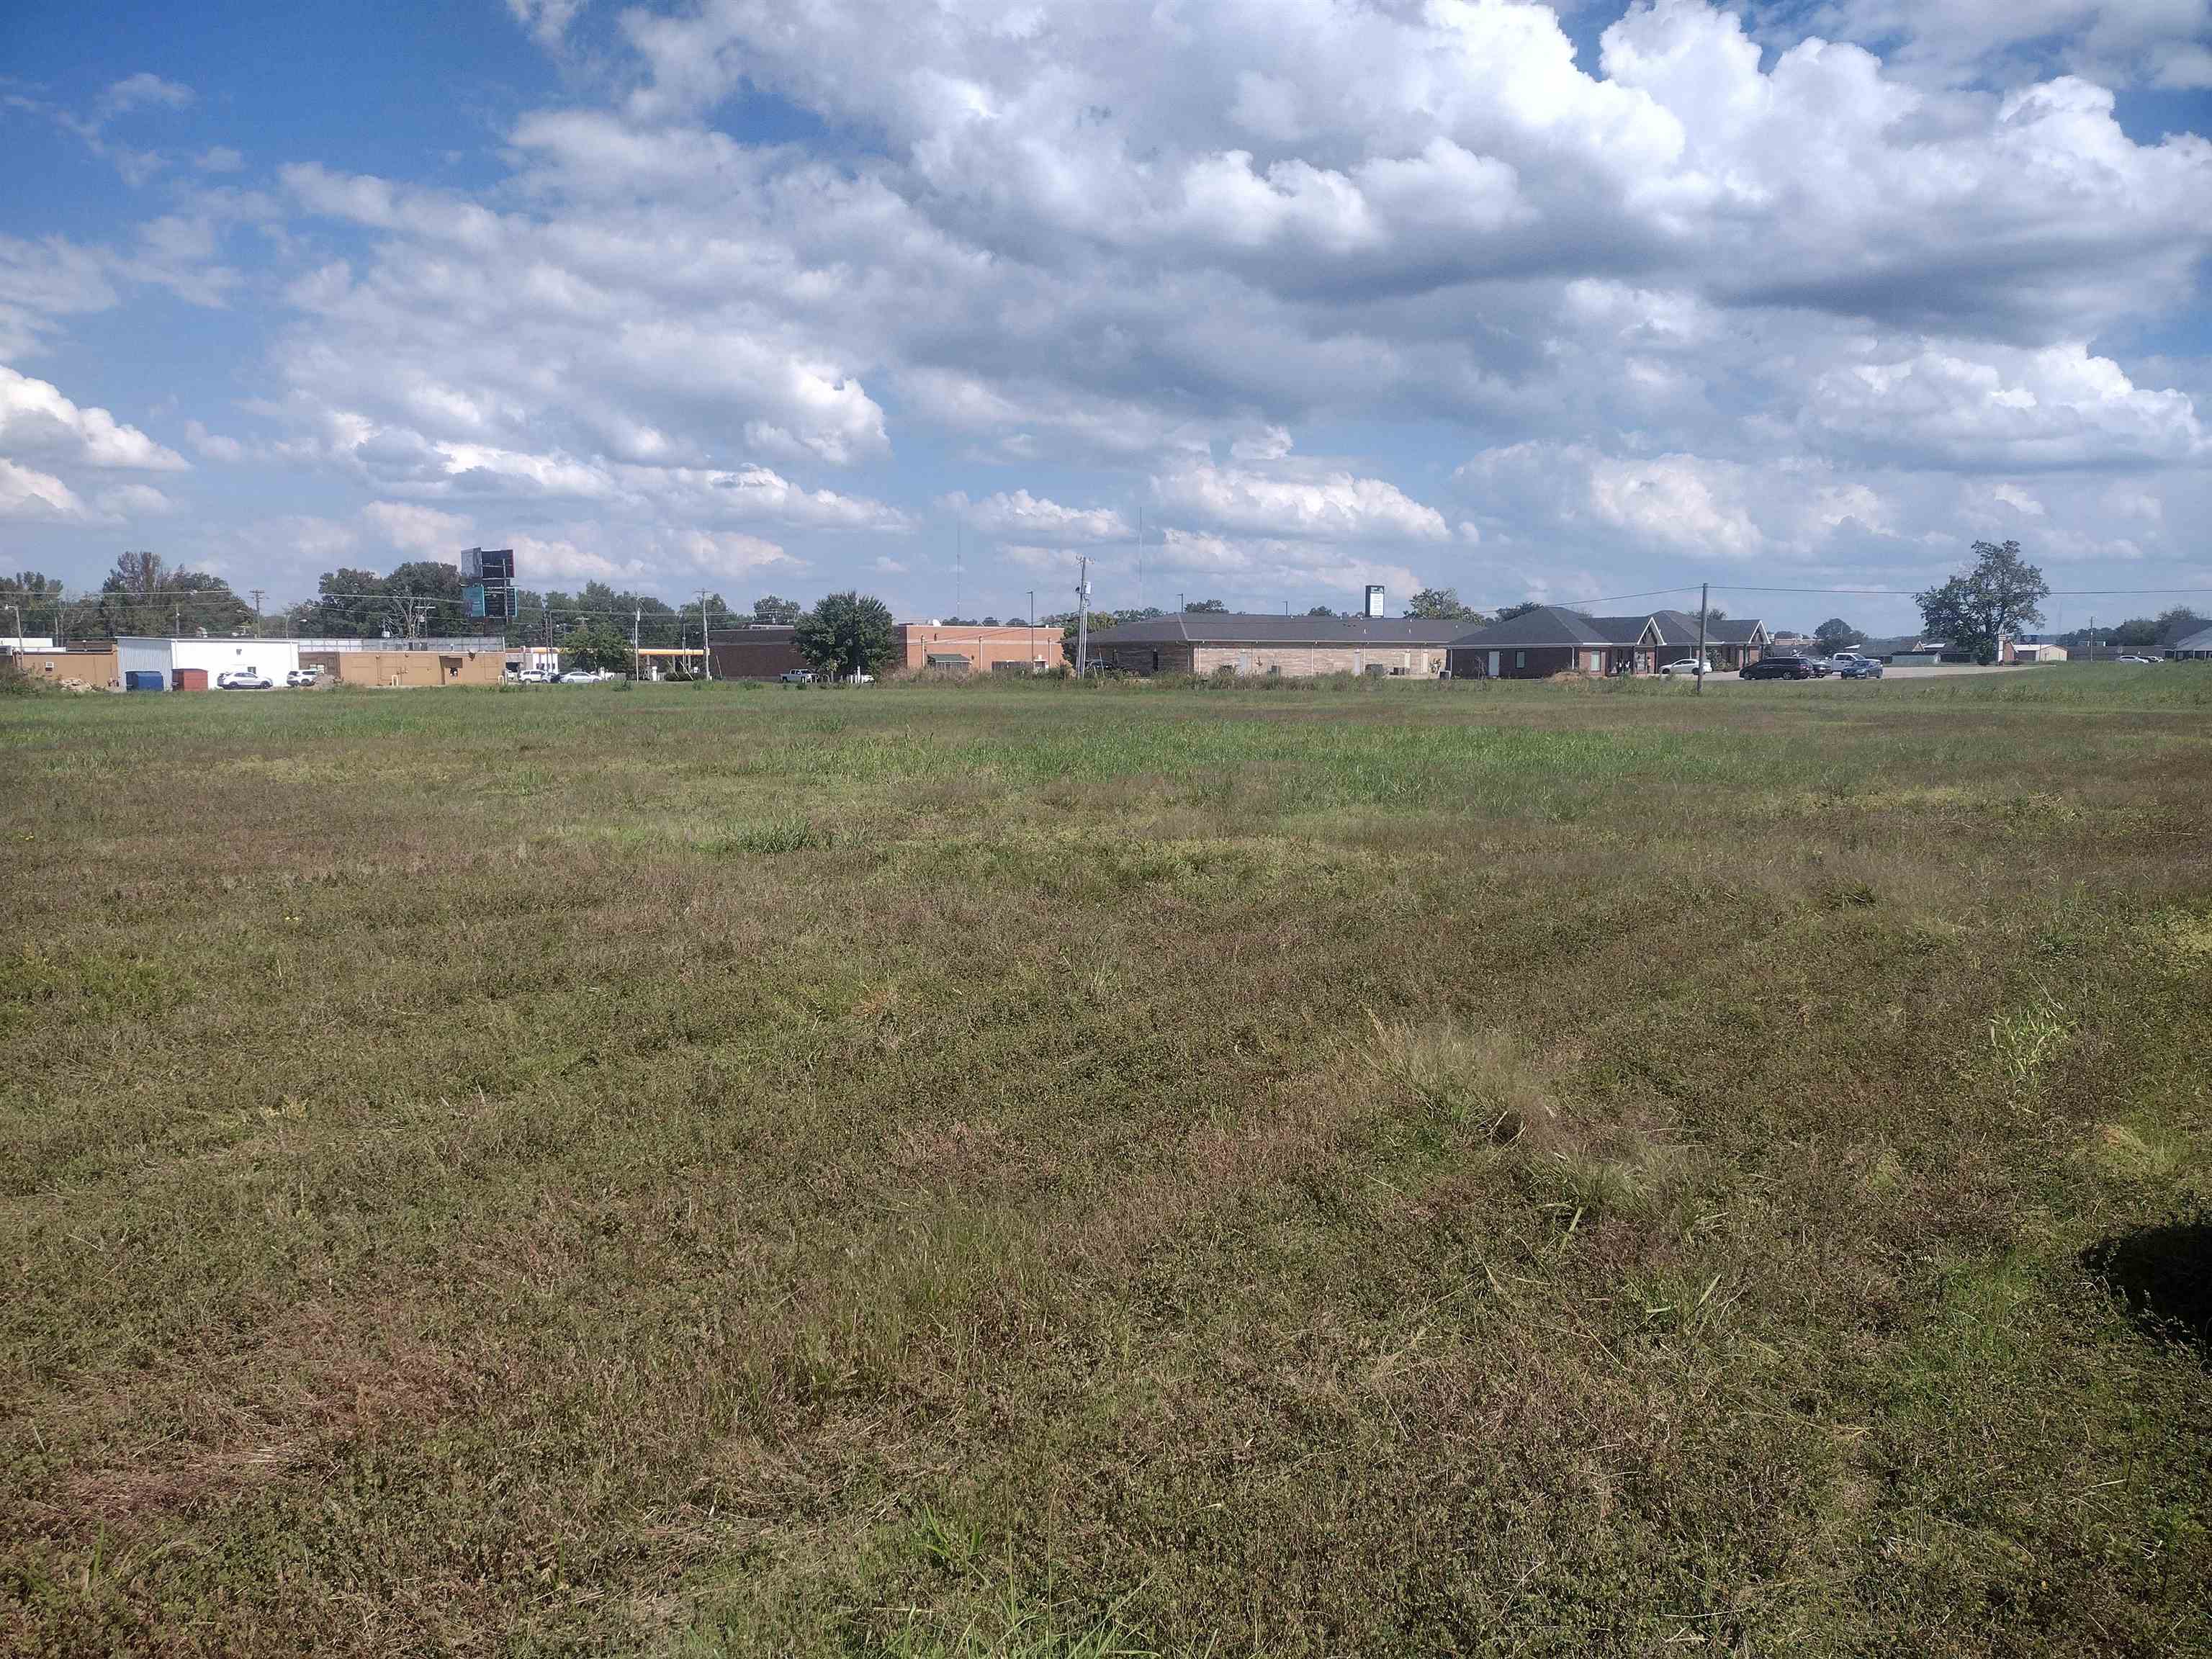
x: 1780, y: 668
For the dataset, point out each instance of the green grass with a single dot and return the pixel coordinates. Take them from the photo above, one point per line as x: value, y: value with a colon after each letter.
x: 1065, y: 1171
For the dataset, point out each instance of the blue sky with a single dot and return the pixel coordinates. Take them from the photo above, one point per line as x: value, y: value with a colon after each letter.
x: 801, y: 295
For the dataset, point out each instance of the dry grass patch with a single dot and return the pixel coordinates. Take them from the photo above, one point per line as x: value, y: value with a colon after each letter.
x: 1067, y: 1169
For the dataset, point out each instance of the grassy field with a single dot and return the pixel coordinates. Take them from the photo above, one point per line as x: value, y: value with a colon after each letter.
x: 1057, y: 1170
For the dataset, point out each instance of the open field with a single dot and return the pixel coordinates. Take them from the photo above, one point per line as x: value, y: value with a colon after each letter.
x: 1053, y: 1170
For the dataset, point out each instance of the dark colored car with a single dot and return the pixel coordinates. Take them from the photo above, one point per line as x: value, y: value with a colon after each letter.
x: 1865, y: 668
x: 1780, y: 668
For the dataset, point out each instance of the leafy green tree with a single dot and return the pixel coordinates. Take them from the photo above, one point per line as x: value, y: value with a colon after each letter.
x: 1837, y: 635
x: 1507, y: 613
x: 769, y: 611
x: 142, y: 596
x: 1321, y: 611
x: 1205, y: 608
x: 30, y: 603
x: 2179, y: 623
x: 1983, y: 606
x: 846, y: 634
x: 599, y: 644
x: 1442, y: 605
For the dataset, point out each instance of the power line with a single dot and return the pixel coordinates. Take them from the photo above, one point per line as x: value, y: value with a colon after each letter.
x: 1900, y: 593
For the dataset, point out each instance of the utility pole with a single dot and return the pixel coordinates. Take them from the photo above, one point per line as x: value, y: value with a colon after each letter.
x: 1705, y: 593
x: 706, y: 659
x: 956, y: 567
x: 256, y: 593
x: 1032, y: 631
x: 1083, y: 618
x: 18, y: 610
x: 637, y: 662
x: 1140, y: 556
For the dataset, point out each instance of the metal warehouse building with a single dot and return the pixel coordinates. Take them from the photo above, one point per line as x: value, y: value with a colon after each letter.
x: 192, y: 664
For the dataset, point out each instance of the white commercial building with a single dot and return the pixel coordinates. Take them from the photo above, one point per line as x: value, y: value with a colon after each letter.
x: 272, y: 659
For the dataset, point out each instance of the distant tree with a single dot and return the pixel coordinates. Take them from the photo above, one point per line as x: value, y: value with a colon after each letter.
x: 846, y: 634
x: 138, y: 575
x: 990, y: 621
x: 1837, y: 635
x: 142, y: 596
x: 1321, y: 611
x: 36, y: 602
x: 1442, y: 605
x: 2179, y: 623
x: 1507, y: 613
x: 599, y: 644
x: 1206, y: 607
x: 1983, y: 606
x: 769, y: 611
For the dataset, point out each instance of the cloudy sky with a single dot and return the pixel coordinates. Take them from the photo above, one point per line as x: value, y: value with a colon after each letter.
x: 788, y: 295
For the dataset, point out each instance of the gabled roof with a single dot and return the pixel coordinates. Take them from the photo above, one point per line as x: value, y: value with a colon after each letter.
x: 1680, y: 628
x: 2200, y: 641
x: 1555, y: 625
x: 1248, y: 627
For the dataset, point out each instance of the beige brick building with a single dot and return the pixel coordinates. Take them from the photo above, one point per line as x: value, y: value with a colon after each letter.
x: 456, y: 667
x: 1208, y: 643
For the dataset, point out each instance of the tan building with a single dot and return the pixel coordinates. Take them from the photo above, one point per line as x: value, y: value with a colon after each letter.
x: 403, y: 668
x: 1208, y: 643
x: 972, y: 649
x: 95, y: 668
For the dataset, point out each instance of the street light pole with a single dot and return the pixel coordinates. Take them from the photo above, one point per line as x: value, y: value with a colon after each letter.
x: 1032, y: 631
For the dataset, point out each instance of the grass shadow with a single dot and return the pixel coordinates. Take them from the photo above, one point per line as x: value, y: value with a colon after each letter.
x: 2162, y: 1276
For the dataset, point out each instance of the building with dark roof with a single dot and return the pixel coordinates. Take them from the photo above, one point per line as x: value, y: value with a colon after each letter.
x: 1206, y: 642
x: 1730, y: 642
x: 2190, y: 648
x: 1553, y: 640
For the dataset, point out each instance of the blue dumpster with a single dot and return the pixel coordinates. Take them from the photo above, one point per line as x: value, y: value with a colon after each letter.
x: 144, y: 679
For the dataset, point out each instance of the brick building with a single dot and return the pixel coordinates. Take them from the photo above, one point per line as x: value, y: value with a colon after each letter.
x: 752, y: 654
x: 1204, y: 642
x: 766, y: 654
x: 1553, y: 640
x: 972, y: 649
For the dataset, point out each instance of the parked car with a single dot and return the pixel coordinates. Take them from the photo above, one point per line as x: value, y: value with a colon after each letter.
x: 243, y: 679
x: 798, y: 677
x: 1860, y: 668
x: 1687, y: 666
x: 534, y: 677
x: 1844, y: 659
x: 1780, y: 668
x: 1822, y: 666
x: 586, y: 677
x: 303, y: 677
x: 2131, y: 657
